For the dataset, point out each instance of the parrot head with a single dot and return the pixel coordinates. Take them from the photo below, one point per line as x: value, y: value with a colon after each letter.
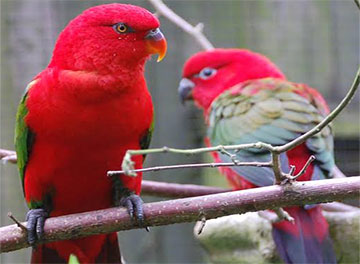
x: 207, y: 74
x: 109, y: 38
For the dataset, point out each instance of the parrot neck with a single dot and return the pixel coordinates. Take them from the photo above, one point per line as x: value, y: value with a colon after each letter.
x: 107, y: 65
x: 205, y: 100
x: 94, y: 86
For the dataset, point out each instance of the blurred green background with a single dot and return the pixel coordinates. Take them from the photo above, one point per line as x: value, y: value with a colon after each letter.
x: 314, y: 42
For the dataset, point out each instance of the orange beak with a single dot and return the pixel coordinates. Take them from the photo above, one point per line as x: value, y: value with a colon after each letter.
x: 156, y: 43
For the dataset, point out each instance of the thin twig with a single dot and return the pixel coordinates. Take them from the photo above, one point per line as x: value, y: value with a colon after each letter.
x: 303, y: 170
x: 339, y: 207
x: 292, y: 170
x: 192, y: 166
x: 283, y: 215
x: 277, y: 168
x: 186, y: 210
x: 201, y: 225
x: 7, y: 156
x: 196, y: 32
x: 128, y: 164
x: 270, y: 216
x: 258, y: 145
x: 337, y: 173
x: 17, y: 222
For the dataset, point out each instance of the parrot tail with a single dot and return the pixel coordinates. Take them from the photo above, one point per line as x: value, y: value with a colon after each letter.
x: 305, y: 241
x: 93, y: 249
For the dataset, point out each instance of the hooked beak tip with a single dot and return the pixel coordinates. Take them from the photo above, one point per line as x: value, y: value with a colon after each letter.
x: 185, y: 90
x: 156, y: 43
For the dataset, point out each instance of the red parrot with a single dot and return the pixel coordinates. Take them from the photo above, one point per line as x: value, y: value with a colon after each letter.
x: 247, y: 99
x: 76, y: 120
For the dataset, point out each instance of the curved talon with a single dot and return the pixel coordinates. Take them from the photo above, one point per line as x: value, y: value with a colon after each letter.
x: 134, y: 205
x: 35, y: 224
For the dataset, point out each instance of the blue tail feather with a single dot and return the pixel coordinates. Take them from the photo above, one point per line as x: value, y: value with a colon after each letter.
x: 299, y: 246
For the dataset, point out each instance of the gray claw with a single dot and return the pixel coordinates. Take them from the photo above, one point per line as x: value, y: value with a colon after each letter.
x: 134, y: 205
x: 35, y: 224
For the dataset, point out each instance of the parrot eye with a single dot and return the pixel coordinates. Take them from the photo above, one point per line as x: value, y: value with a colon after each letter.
x: 206, y: 73
x: 122, y: 28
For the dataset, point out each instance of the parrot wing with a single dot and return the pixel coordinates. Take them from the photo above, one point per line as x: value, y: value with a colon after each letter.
x: 24, y: 137
x: 273, y: 111
x: 146, y: 138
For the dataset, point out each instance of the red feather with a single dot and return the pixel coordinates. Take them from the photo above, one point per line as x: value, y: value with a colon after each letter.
x: 86, y: 109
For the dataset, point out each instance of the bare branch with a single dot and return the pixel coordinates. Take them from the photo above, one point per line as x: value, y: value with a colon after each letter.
x: 283, y: 215
x: 339, y: 207
x: 192, y: 166
x: 201, y: 226
x: 128, y: 165
x: 270, y: 216
x: 8, y: 156
x: 176, y: 190
x: 290, y: 178
x: 303, y: 170
x: 279, y: 176
x: 187, y: 210
x: 337, y: 173
x: 19, y: 224
x: 196, y: 32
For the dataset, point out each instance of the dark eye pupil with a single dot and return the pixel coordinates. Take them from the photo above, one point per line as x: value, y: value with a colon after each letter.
x: 121, y: 28
x: 207, y: 72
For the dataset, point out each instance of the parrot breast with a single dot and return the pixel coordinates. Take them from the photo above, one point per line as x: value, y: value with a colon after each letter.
x: 78, y: 139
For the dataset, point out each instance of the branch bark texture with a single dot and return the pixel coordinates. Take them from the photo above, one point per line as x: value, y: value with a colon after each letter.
x: 176, y: 190
x: 187, y: 210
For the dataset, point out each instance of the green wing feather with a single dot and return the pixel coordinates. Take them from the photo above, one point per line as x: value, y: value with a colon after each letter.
x: 272, y: 111
x: 24, y: 138
x: 146, y: 138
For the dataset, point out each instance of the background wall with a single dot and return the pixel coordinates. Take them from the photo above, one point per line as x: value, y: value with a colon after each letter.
x: 315, y: 42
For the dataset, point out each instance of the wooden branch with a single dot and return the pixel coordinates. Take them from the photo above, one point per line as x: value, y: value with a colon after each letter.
x: 195, y: 32
x: 176, y: 190
x: 128, y: 165
x: 339, y: 207
x: 303, y: 170
x: 187, y: 210
x: 191, y: 166
x: 278, y: 174
x: 8, y: 156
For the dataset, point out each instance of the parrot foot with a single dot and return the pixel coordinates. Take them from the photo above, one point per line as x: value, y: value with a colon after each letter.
x: 134, y: 206
x: 35, y: 224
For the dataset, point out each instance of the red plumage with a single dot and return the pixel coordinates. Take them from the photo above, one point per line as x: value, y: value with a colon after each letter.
x: 85, y: 110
